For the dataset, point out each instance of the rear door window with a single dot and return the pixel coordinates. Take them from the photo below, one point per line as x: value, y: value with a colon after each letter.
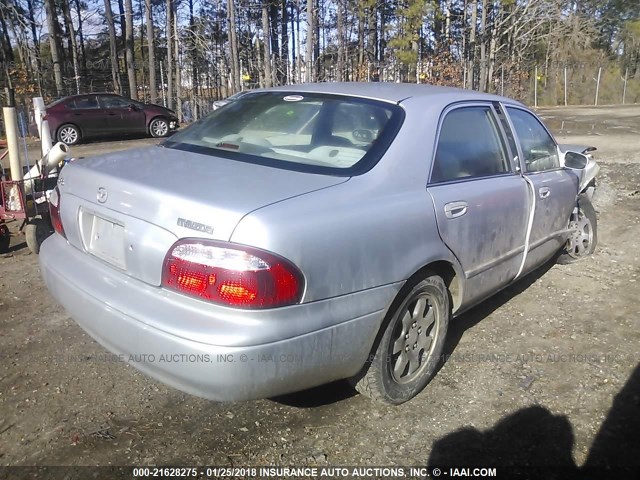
x: 469, y: 146
x: 84, y: 103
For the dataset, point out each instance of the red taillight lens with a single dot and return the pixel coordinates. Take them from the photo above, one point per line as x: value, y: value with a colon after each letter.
x: 231, y: 275
x: 54, y: 212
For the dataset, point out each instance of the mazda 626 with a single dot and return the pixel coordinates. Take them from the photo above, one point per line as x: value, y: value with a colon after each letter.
x: 305, y: 234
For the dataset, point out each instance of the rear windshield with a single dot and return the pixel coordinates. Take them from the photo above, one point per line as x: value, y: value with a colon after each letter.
x: 308, y: 132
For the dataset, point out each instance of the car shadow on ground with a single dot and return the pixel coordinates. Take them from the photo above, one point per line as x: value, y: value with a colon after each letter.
x: 342, y: 390
x: 318, y: 396
x: 534, y: 443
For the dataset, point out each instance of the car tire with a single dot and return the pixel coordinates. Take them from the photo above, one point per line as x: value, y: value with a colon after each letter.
x: 68, y: 134
x: 410, y: 347
x: 36, y: 232
x: 159, y: 127
x: 5, y: 239
x: 584, y: 237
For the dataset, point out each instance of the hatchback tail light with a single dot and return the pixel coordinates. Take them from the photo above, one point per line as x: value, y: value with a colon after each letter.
x: 231, y: 275
x: 54, y: 212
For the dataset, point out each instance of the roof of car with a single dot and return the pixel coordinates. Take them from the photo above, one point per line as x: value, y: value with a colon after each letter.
x: 392, y: 92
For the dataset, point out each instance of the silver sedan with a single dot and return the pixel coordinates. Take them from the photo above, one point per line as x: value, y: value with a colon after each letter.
x: 311, y: 233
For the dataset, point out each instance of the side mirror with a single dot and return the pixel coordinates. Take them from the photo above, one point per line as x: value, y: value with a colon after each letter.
x: 133, y: 107
x: 575, y: 160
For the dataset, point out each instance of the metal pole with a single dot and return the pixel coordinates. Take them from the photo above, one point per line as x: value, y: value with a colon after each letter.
x: 624, y: 89
x: 11, y: 129
x: 598, y: 85
x: 535, y: 87
x: 565, y: 85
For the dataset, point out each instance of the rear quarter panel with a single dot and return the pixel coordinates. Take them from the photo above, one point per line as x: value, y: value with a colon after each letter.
x: 375, y: 229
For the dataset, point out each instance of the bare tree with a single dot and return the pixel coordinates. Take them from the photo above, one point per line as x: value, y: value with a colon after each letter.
x: 66, y: 13
x: 54, y: 43
x: 153, y: 93
x: 131, y: 72
x: 267, y: 43
x: 311, y: 28
x: 169, y: 54
x: 113, y: 51
x: 236, y: 80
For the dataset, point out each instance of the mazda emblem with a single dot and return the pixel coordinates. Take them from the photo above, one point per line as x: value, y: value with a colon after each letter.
x: 102, y: 195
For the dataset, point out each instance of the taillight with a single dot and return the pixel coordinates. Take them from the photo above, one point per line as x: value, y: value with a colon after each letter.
x: 54, y: 212
x: 231, y: 275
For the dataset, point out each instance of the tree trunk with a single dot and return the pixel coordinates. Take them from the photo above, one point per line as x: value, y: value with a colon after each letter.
x: 54, y: 42
x: 298, y: 44
x: 316, y: 45
x: 236, y: 80
x: 169, y: 55
x: 194, y: 63
x: 36, y: 44
x: 472, y: 45
x: 151, y: 50
x: 123, y: 33
x: 360, y: 44
x: 267, y: 43
x: 284, y: 43
x: 131, y: 72
x: 66, y: 13
x: 275, y: 47
x: 178, y: 65
x: 83, y: 54
x: 309, y: 54
x: 5, y: 43
x: 113, y: 51
x: 483, y: 47
x: 341, y: 40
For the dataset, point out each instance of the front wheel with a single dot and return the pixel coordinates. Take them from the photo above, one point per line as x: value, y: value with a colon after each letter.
x: 409, y: 351
x: 583, y: 238
x: 159, y: 127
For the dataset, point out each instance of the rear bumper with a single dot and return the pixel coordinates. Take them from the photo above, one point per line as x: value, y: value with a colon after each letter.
x: 245, y: 367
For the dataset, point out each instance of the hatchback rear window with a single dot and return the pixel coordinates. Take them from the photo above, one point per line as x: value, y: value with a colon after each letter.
x: 308, y: 132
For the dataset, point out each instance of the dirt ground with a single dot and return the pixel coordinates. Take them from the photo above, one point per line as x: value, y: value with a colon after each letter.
x: 531, y: 375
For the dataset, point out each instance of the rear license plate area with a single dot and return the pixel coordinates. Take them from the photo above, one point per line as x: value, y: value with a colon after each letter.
x: 103, y: 238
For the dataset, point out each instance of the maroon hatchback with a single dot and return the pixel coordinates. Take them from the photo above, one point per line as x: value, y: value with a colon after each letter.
x: 106, y: 114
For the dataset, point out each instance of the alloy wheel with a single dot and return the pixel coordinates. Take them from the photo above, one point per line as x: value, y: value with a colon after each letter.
x: 415, y: 337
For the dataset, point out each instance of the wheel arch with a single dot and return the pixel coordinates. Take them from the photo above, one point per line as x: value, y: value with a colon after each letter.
x: 448, y: 272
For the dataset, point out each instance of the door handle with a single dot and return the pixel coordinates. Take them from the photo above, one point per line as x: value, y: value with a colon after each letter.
x: 455, y: 209
x: 544, y: 192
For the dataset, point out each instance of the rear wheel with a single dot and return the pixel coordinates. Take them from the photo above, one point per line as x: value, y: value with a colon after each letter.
x: 159, y: 127
x: 411, y: 345
x: 584, y: 233
x: 5, y: 238
x: 69, y: 134
x: 36, y: 232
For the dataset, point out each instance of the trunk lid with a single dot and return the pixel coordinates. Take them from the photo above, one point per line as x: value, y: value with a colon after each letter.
x: 127, y: 208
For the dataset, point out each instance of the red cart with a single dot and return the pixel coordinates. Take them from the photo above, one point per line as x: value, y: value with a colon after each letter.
x: 16, y: 205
